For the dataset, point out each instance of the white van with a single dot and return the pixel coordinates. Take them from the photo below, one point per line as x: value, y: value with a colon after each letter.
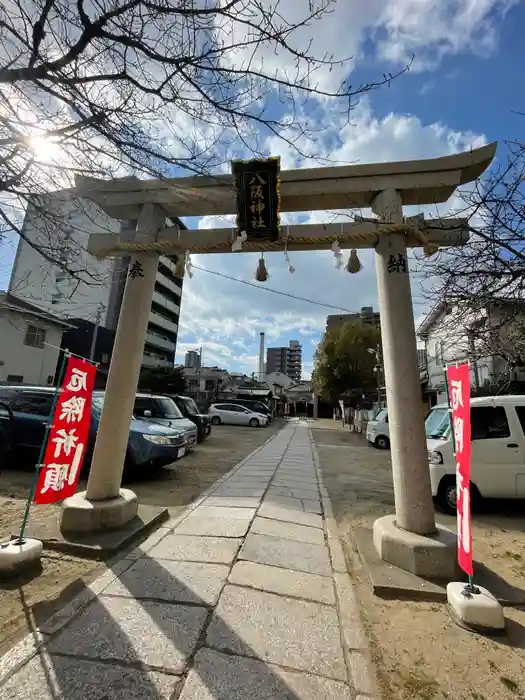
x: 497, y: 450
x: 377, y: 432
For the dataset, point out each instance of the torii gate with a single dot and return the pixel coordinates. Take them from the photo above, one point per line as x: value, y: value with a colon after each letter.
x: 410, y: 538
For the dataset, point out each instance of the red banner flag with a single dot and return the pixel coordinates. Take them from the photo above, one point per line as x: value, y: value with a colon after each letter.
x: 68, y: 435
x: 458, y: 379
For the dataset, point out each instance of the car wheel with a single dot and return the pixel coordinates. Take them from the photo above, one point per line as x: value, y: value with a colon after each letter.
x: 447, y: 495
x: 382, y: 442
x: 216, y: 420
x: 254, y: 422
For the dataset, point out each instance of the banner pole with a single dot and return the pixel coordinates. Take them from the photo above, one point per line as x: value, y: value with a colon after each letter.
x: 470, y: 584
x: 43, y: 446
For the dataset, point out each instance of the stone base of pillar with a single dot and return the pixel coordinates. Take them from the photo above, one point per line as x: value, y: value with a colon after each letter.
x: 80, y: 515
x: 428, y: 556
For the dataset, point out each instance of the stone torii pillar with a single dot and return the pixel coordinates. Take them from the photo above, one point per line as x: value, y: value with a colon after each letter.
x: 104, y: 505
x: 410, y: 538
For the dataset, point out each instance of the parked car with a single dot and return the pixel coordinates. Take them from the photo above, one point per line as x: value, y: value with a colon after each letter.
x: 236, y: 415
x: 6, y: 428
x: 148, y: 445
x: 377, y: 430
x: 497, y: 450
x: 253, y: 405
x: 164, y: 411
x: 188, y: 408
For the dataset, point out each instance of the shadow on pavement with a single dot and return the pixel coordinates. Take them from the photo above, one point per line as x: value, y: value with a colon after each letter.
x: 161, y: 625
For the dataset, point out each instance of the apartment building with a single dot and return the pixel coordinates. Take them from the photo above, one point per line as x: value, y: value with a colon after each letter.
x: 285, y: 360
x: 80, y: 286
x: 192, y: 359
x: 366, y: 315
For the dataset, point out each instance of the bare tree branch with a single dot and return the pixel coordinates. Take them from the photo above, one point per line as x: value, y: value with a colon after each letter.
x: 152, y: 87
x: 484, y: 281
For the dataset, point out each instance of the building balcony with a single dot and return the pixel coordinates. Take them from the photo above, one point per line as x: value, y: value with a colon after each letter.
x: 152, y: 361
x: 163, y: 322
x: 166, y: 303
x: 163, y: 260
x: 160, y: 342
x: 168, y: 283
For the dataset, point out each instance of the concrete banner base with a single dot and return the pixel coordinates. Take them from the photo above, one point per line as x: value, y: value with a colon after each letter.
x: 475, y: 609
x: 18, y: 555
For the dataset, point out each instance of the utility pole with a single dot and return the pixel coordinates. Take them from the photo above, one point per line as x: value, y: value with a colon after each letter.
x: 376, y: 352
x: 199, y: 375
x: 98, y: 318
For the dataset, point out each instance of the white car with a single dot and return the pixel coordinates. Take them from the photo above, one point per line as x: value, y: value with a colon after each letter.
x: 236, y: 415
x: 497, y: 468
x: 377, y: 430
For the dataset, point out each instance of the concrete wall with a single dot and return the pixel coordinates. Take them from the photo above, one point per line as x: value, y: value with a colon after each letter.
x: 35, y: 365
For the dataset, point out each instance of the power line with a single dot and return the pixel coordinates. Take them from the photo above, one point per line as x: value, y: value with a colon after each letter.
x: 286, y: 294
x: 273, y: 291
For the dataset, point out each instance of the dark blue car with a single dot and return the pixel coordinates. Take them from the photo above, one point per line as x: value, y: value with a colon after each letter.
x: 149, y: 445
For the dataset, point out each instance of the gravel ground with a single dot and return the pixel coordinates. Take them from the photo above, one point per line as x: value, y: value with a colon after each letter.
x: 63, y: 575
x: 419, y: 652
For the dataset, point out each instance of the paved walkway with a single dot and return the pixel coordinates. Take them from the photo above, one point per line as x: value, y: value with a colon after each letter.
x: 246, y: 596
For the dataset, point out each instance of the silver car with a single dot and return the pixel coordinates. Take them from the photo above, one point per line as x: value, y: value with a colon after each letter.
x: 164, y: 411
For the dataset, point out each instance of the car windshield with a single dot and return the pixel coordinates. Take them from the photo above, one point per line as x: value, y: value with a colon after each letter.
x: 97, y: 403
x: 437, y: 423
x: 167, y: 408
x: 381, y: 416
x: 190, y: 405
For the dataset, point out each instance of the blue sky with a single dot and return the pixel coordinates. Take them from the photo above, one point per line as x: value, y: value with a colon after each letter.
x: 461, y: 92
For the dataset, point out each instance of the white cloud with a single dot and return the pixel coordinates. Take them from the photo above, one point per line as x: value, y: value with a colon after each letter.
x: 432, y: 29
x: 429, y: 29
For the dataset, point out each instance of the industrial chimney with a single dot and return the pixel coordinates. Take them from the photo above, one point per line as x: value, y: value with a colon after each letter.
x: 261, y: 359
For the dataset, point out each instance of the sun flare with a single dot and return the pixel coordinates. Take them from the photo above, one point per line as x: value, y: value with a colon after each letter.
x: 45, y: 148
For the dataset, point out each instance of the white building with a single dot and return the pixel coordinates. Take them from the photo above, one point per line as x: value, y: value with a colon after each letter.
x: 60, y: 226
x: 278, y: 383
x: 29, y: 342
x: 480, y: 337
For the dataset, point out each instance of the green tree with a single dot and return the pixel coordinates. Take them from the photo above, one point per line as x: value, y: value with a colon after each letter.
x: 162, y: 381
x: 343, y: 361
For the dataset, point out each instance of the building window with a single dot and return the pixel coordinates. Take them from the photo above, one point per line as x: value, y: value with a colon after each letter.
x: 35, y: 337
x: 15, y: 378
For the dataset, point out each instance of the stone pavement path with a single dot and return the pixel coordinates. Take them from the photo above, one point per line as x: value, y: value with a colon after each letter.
x: 245, y: 596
